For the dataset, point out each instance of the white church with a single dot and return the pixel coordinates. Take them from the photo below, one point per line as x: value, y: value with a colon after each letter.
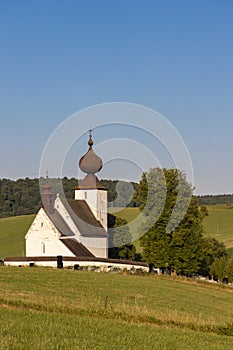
x: 72, y: 228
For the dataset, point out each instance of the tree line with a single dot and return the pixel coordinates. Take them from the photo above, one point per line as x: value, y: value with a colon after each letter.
x: 215, y: 199
x: 22, y: 197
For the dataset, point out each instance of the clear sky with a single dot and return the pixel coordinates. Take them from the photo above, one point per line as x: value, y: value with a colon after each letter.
x: 57, y: 57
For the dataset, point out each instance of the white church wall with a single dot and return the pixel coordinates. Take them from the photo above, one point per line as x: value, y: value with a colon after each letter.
x: 97, y: 245
x: 42, y: 238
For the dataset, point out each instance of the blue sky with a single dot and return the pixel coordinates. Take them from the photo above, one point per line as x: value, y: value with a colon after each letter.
x: 58, y: 57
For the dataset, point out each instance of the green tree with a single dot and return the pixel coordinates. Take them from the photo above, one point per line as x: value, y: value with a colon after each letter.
x: 204, y: 211
x: 174, y: 238
x: 212, y: 249
x: 229, y: 270
x: 120, y: 239
x: 218, y: 268
x: 141, y: 193
x: 186, y: 243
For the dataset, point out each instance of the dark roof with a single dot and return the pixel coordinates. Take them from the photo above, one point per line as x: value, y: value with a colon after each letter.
x: 60, y: 223
x: 77, y: 248
x: 90, y: 182
x: 84, y: 219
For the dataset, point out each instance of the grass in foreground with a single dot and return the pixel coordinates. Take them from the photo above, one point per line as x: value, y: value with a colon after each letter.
x: 46, y: 308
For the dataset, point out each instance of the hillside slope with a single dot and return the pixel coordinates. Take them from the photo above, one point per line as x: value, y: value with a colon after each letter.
x: 219, y: 223
x: 67, y: 309
x: 12, y: 232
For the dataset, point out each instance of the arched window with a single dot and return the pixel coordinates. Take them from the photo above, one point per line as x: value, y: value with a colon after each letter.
x: 43, y: 248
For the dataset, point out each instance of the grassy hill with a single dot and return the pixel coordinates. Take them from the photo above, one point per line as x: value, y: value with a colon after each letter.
x: 12, y: 232
x: 219, y: 223
x: 45, y: 308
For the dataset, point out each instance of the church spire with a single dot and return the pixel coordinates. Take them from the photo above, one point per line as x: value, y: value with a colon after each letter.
x: 90, y: 141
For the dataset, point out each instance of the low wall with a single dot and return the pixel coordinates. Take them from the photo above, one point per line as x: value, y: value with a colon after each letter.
x: 101, y: 263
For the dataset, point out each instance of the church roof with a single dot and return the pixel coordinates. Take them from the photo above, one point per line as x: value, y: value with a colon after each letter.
x: 90, y: 182
x: 84, y: 219
x: 77, y: 248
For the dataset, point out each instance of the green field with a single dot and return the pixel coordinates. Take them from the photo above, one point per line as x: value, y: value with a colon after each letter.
x: 12, y: 232
x: 45, y: 308
x: 219, y: 223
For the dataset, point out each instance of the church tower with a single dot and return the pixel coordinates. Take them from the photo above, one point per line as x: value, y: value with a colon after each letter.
x: 90, y: 188
x: 47, y: 197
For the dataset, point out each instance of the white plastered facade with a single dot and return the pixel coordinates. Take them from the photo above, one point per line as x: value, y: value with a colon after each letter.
x: 42, y: 238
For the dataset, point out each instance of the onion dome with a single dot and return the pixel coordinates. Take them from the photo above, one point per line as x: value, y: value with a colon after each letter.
x: 90, y: 163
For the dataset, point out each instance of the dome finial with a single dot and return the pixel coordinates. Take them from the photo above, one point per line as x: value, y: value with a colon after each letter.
x: 90, y: 141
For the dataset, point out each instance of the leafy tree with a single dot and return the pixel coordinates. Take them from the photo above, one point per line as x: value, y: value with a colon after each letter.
x: 212, y: 249
x: 124, y: 193
x: 141, y: 193
x: 172, y: 242
x: 186, y: 243
x: 229, y: 270
x: 120, y: 239
x: 218, y: 268
x: 203, y: 211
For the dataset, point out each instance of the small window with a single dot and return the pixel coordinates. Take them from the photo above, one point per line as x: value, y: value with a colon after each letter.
x: 42, y: 224
x: 43, y: 248
x: 85, y: 195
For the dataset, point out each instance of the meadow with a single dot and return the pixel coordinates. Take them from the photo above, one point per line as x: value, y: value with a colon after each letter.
x: 45, y: 308
x: 219, y: 223
x: 12, y: 232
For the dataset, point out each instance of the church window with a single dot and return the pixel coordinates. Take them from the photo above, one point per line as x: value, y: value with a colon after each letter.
x: 43, y: 248
x: 85, y: 194
x: 42, y: 224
